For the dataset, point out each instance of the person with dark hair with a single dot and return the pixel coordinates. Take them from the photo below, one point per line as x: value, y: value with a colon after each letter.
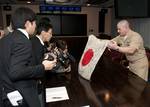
x: 61, y: 44
x: 45, y: 20
x: 64, y: 59
x: 43, y: 34
x: 18, y: 68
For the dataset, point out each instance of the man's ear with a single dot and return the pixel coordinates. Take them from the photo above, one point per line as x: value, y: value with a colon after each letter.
x: 43, y: 32
x: 27, y: 24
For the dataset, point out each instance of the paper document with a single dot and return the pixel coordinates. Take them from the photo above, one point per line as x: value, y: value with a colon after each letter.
x: 14, y: 97
x: 56, y: 94
x: 85, y: 106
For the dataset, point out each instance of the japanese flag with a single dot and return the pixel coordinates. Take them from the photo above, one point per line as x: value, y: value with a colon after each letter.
x: 92, y: 53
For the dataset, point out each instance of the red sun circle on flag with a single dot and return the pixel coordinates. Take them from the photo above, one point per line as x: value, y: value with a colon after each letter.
x: 87, y: 57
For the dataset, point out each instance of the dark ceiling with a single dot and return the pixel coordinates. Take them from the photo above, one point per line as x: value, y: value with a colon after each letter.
x: 62, y: 2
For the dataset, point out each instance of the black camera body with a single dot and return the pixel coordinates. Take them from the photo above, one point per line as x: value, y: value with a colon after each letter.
x: 50, y: 57
x: 62, y: 59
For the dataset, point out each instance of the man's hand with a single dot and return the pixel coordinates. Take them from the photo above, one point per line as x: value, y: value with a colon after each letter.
x: 113, y: 45
x: 49, y: 65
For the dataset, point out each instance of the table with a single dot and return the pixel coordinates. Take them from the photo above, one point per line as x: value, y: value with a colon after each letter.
x: 112, y: 85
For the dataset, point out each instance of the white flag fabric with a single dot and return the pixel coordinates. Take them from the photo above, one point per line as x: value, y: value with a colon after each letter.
x: 92, y: 53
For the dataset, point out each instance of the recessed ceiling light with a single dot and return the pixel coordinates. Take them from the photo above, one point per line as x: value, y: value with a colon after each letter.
x: 28, y: 2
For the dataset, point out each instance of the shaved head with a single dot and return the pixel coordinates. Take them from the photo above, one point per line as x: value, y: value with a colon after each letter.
x: 123, y: 27
x: 123, y: 23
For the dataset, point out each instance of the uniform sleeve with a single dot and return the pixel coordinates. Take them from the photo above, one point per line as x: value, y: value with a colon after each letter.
x: 116, y: 39
x: 136, y: 41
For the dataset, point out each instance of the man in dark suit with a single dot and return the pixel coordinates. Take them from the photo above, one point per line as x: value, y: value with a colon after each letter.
x: 44, y: 34
x: 17, y: 65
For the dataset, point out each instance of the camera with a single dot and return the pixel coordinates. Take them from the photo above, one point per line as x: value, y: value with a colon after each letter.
x: 50, y: 57
x: 63, y: 59
x: 58, y: 50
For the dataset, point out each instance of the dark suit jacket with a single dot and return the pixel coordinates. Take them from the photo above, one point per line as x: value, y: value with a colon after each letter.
x: 38, y: 56
x: 38, y: 50
x: 18, y: 69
